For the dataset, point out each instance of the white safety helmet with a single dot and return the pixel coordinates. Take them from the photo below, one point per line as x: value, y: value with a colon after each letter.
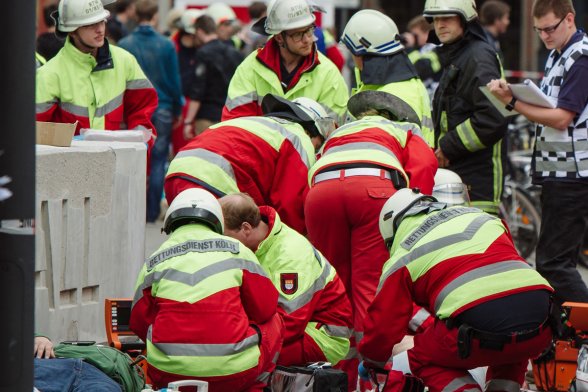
x: 395, y: 208
x: 73, y: 14
x: 220, y: 12
x: 304, y: 111
x: 285, y: 15
x: 324, y: 123
x: 465, y: 8
x: 371, y: 32
x: 194, y: 205
x: 188, y: 19
x: 450, y: 189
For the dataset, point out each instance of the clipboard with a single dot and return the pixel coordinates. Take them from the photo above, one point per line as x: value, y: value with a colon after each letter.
x: 526, y: 92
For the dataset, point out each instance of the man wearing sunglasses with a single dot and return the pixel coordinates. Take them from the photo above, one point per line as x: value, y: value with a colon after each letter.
x: 560, y: 163
x: 289, y: 65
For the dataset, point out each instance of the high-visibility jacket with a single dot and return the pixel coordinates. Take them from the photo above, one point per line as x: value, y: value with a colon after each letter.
x: 108, y: 92
x: 39, y: 60
x: 446, y: 261
x: 259, y: 74
x: 312, y: 301
x: 266, y: 157
x: 374, y: 140
x: 411, y: 91
x: 195, y: 300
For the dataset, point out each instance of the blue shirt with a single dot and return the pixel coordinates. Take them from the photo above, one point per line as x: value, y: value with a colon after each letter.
x: 158, y: 59
x: 573, y: 96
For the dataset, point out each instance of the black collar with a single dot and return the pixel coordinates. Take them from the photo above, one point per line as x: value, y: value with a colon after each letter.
x: 103, y: 58
x: 381, y: 70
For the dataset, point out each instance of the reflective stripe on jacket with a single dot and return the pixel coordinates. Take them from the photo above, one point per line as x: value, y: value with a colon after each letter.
x: 113, y: 94
x: 195, y: 299
x: 446, y: 261
x: 266, y: 157
x: 468, y: 128
x: 378, y: 141
x: 312, y: 301
x: 318, y: 78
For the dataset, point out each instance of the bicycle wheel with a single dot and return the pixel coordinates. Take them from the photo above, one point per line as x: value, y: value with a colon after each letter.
x: 523, y: 219
x: 583, y: 260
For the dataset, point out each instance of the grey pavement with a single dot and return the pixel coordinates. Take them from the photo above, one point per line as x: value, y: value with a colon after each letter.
x: 153, y: 237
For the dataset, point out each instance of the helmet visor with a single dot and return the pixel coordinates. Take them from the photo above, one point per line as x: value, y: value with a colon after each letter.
x: 452, y: 194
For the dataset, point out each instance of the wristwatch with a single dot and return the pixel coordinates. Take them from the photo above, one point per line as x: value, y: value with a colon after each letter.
x: 510, y: 106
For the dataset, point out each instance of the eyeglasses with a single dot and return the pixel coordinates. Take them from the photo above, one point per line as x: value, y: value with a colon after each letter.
x: 549, y: 29
x: 297, y: 36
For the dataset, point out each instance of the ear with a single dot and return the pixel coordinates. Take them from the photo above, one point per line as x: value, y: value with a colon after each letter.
x: 247, y: 229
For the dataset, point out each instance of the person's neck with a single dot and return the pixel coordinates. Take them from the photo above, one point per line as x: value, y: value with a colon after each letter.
x: 147, y: 23
x: 207, y: 38
x: 289, y: 59
x: 261, y: 232
x: 84, y: 48
x: 493, y: 30
x: 123, y: 18
x: 567, y: 41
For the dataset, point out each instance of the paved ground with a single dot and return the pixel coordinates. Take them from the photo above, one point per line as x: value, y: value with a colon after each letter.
x: 153, y: 237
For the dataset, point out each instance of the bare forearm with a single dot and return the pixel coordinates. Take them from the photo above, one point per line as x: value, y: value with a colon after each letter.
x: 193, y: 108
x: 555, y: 118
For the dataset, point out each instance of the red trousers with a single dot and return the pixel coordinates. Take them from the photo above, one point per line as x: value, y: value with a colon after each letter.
x: 435, y: 359
x: 342, y: 222
x: 254, y: 379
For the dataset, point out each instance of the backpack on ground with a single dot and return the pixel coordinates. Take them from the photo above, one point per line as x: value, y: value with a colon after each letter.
x: 114, y: 363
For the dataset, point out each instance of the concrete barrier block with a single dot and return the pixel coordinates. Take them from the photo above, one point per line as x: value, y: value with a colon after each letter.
x: 90, y: 233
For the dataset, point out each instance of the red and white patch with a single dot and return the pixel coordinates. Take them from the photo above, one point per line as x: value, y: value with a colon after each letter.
x: 289, y: 283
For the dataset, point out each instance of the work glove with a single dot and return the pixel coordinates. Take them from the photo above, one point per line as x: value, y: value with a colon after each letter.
x: 363, y: 372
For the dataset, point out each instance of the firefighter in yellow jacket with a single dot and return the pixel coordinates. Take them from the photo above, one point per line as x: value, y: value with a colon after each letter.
x: 289, y: 65
x: 88, y: 81
x: 381, y: 64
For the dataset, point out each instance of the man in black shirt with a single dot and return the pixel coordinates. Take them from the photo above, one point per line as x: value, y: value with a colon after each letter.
x: 216, y: 63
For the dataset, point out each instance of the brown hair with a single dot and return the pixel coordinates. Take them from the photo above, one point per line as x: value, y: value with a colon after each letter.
x: 560, y: 8
x: 145, y: 10
x: 419, y: 22
x: 256, y: 9
x: 206, y: 24
x: 493, y: 10
x: 239, y: 208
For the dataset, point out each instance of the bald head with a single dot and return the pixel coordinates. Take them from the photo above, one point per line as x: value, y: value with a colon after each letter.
x: 243, y: 219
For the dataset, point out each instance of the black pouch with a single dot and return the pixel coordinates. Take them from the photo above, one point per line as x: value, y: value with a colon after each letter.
x: 313, y: 378
x: 464, y: 341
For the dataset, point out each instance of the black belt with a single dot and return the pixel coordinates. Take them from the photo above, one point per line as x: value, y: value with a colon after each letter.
x: 489, y: 340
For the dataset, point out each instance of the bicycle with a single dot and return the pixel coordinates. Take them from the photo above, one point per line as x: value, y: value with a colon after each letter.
x: 520, y: 206
x: 522, y: 217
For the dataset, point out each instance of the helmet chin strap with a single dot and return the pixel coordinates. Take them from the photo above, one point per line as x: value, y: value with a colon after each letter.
x: 82, y: 46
